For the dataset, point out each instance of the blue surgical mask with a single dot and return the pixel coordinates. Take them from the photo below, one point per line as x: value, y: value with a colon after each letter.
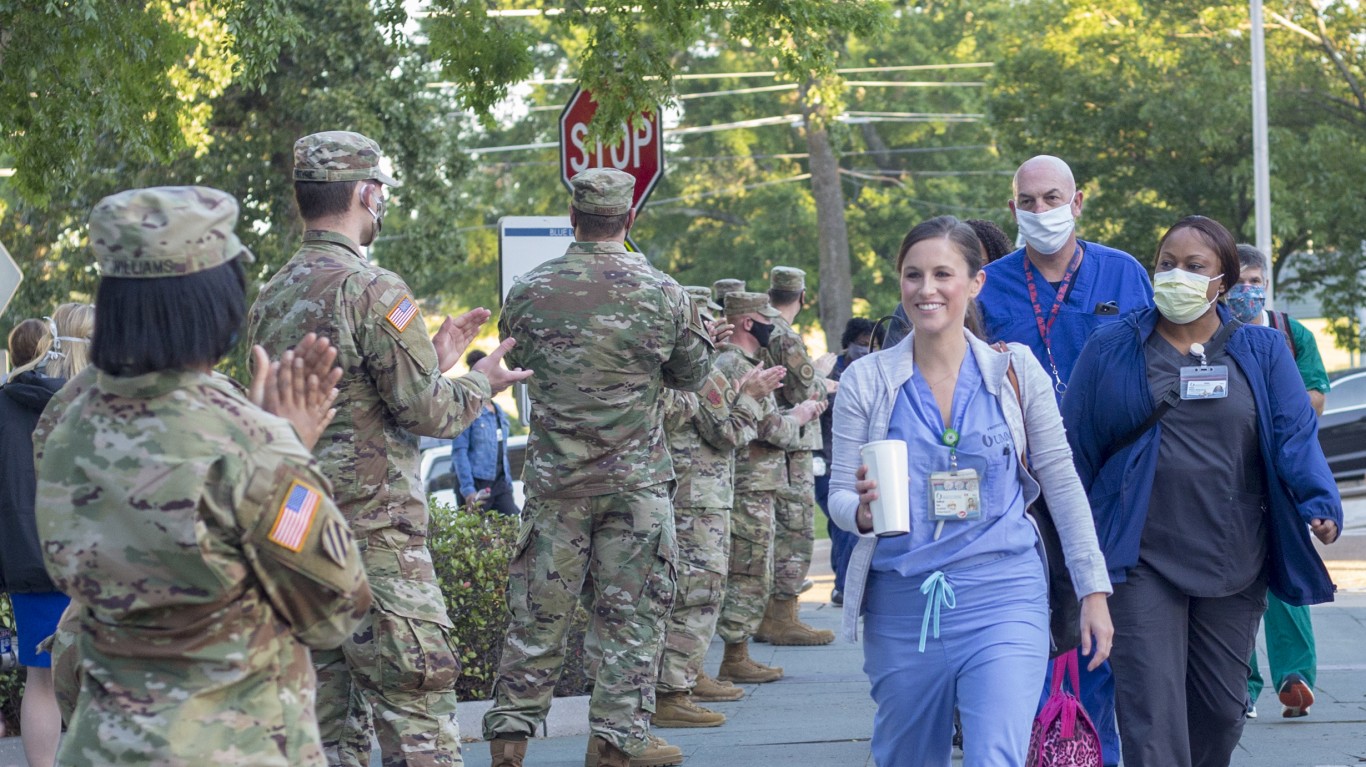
x: 1246, y: 301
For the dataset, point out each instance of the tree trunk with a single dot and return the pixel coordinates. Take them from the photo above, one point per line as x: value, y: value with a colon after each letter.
x: 836, y: 284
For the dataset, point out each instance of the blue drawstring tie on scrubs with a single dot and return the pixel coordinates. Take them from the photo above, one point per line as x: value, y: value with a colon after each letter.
x: 939, y: 592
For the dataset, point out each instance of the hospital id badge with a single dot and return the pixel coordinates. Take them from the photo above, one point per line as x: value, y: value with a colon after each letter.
x: 1204, y: 381
x: 955, y: 495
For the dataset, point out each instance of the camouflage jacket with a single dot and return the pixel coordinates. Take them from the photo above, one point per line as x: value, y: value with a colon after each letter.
x: 704, y: 431
x: 787, y: 348
x: 391, y: 390
x: 606, y: 333
x: 762, y: 465
x: 203, y: 557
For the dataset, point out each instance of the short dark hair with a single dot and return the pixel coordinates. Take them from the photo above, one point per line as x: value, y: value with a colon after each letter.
x: 964, y: 240
x: 1217, y: 237
x: 473, y: 358
x: 855, y: 327
x: 596, y: 226
x: 994, y: 240
x: 783, y: 297
x: 168, y: 323
x: 319, y: 199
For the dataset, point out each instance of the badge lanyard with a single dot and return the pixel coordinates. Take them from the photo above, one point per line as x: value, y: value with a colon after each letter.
x: 1046, y: 327
x: 956, y: 491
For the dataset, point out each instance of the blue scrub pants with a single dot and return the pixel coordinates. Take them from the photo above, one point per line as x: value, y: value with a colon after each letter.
x: 988, y: 659
x: 842, y: 541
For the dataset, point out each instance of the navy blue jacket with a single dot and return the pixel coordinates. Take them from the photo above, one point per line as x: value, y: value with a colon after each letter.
x: 1108, y: 397
x: 22, y: 400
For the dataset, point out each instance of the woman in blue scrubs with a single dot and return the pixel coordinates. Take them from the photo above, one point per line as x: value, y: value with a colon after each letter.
x: 956, y: 612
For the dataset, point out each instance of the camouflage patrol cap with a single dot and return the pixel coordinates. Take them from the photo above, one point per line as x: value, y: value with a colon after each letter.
x: 749, y: 303
x: 701, y: 295
x: 722, y: 288
x: 338, y: 155
x: 603, y: 191
x: 787, y: 278
x: 165, y: 231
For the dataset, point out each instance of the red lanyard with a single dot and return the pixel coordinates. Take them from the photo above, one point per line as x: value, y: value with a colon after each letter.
x: 1046, y: 327
x: 1058, y: 300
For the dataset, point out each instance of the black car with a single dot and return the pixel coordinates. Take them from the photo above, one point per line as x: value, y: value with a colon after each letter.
x: 1342, y: 427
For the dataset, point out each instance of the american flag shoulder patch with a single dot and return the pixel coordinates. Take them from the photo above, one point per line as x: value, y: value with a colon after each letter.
x: 295, y: 516
x: 402, y: 314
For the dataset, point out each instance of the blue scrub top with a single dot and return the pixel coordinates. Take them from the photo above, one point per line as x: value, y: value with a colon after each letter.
x: 984, y: 444
x: 1105, y: 274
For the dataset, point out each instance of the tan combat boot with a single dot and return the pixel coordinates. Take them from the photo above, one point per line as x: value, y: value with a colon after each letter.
x: 657, y: 754
x: 676, y: 709
x: 507, y: 753
x: 772, y: 622
x: 737, y: 666
x: 709, y: 690
x: 787, y: 629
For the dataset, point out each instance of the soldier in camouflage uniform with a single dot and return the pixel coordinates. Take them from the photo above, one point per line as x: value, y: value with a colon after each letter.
x: 794, y: 502
x: 192, y: 529
x: 399, y: 665
x: 722, y: 288
x: 615, y: 332
x: 760, y: 471
x: 704, y: 430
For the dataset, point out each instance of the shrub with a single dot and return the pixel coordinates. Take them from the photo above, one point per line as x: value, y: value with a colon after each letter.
x: 471, y: 553
x: 11, y: 681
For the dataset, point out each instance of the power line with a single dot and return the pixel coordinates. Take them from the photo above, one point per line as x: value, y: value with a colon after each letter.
x: 732, y: 190
x: 742, y: 75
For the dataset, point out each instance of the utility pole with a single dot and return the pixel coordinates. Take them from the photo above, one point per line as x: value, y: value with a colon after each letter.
x: 1261, y: 171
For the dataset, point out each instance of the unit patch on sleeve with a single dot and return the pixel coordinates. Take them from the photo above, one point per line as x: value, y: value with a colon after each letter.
x: 402, y: 314
x: 295, y: 517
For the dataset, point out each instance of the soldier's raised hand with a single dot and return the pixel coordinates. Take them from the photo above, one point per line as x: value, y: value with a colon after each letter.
x: 500, y: 377
x: 808, y: 411
x: 455, y: 335
x: 719, y: 330
x: 760, y: 381
x: 299, y: 387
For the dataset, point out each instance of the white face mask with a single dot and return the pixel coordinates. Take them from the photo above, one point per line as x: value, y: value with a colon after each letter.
x: 1046, y: 232
x: 1180, y: 295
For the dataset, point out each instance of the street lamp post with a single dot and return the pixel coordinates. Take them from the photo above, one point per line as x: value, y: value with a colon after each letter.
x: 1261, y: 171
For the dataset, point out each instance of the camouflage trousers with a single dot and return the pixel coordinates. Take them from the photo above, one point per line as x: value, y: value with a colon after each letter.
x: 624, y: 544
x: 794, y: 508
x: 395, y: 677
x: 703, y: 550
x: 749, y: 576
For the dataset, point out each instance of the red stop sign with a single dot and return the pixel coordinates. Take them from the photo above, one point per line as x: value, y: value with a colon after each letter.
x: 641, y: 153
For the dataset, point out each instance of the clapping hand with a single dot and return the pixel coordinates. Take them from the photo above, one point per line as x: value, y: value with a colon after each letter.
x: 455, y: 335
x: 300, y: 387
x: 760, y: 381
x: 500, y: 377
x: 719, y: 330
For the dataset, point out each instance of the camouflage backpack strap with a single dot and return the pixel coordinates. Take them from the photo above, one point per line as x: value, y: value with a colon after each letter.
x: 1281, y: 321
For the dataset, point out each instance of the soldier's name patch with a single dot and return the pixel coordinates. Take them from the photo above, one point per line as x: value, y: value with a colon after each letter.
x: 402, y: 314
x: 295, y: 516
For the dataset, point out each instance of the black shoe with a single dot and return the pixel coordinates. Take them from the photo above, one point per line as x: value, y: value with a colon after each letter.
x: 837, y: 597
x: 1295, y: 695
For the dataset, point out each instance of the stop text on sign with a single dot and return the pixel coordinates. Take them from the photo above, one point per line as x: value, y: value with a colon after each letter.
x: 640, y: 153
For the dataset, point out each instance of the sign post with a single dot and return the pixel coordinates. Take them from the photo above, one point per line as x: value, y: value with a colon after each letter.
x: 640, y: 153
x: 10, y: 277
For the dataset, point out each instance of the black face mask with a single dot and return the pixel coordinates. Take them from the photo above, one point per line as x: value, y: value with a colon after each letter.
x: 762, y: 331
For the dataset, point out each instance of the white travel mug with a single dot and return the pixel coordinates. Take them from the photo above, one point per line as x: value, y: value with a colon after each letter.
x: 886, y: 462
